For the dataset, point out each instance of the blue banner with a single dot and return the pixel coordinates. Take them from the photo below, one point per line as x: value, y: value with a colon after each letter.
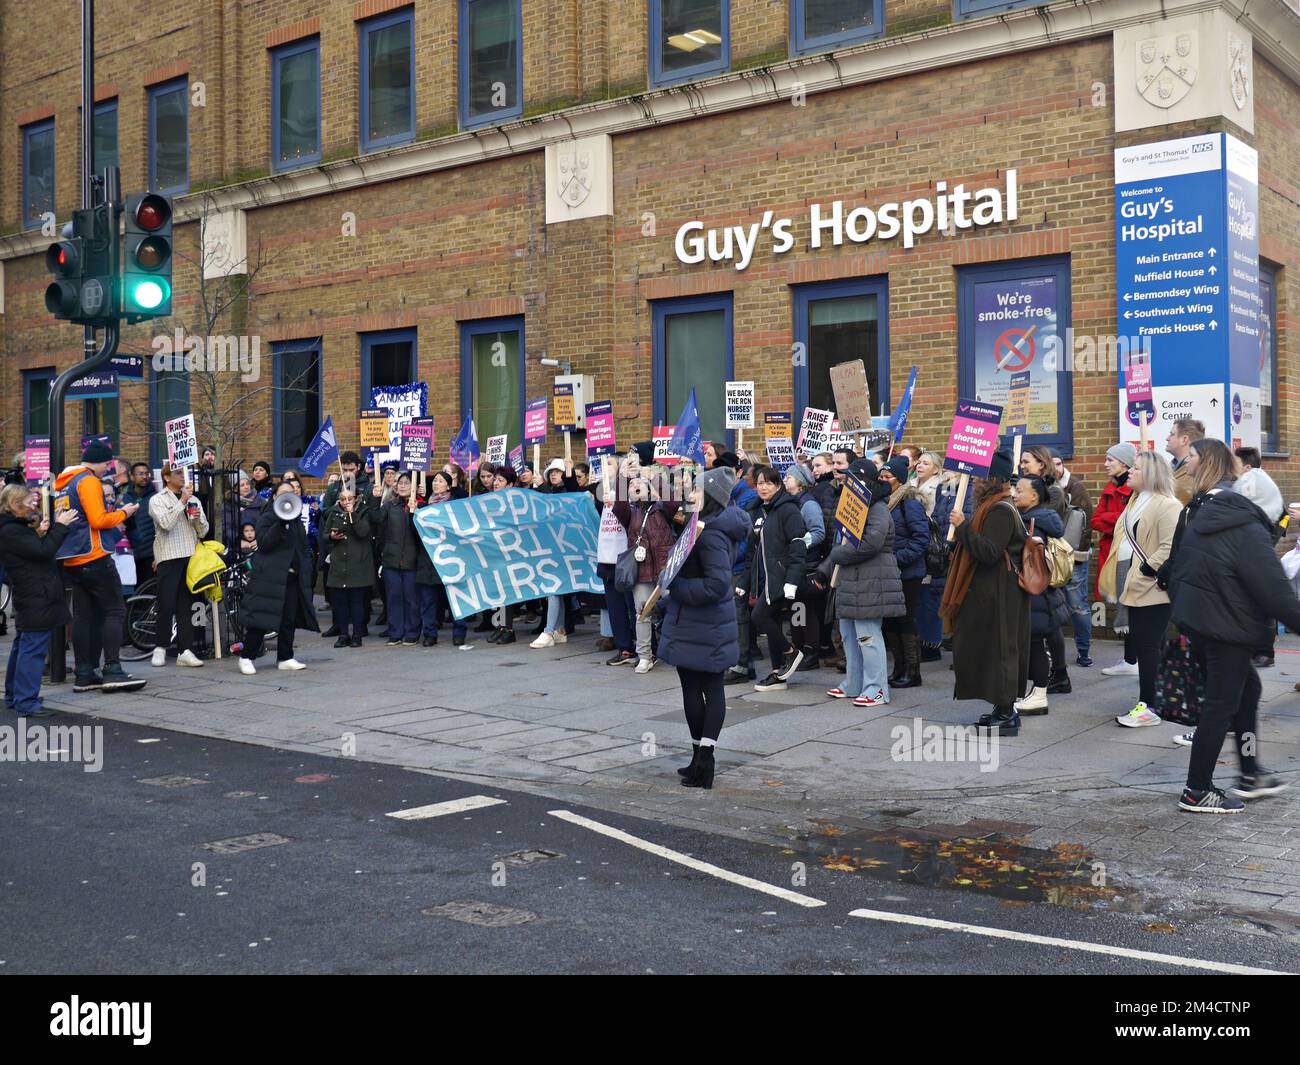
x: 464, y: 449
x: 687, y: 441
x: 322, y: 452
x: 511, y: 546
x: 898, y: 423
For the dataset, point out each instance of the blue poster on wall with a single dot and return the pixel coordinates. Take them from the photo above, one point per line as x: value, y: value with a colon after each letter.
x: 1015, y: 326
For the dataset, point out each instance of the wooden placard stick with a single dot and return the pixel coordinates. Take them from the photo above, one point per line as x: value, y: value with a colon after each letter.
x: 960, y: 502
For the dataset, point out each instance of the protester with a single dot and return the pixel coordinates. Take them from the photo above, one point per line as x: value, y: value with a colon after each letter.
x: 1076, y: 592
x: 98, y: 607
x: 180, y: 524
x: 1260, y: 489
x: 278, y: 597
x: 1114, y: 498
x: 1185, y: 432
x: 248, y: 503
x: 985, y: 603
x: 937, y: 489
x: 798, y: 481
x: 432, y: 594
x: 650, y: 537
x: 777, y: 561
x: 311, y: 511
x: 398, y: 544
x: 1048, y: 610
x: 911, y: 538
x: 826, y: 490
x: 913, y: 455
x: 247, y: 538
x: 699, y: 635
x: 620, y: 607
x: 458, y: 479
x: 28, y: 549
x: 1036, y: 461
x: 746, y: 499
x: 868, y: 591
x: 354, y: 475
x: 347, y: 530
x: 1147, y: 526
x: 262, y: 479
x: 553, y: 479
x: 486, y: 477
x: 504, y: 477
x: 139, y: 526
x: 1227, y: 585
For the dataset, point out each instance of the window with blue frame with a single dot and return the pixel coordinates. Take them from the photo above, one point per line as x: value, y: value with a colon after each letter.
x: 820, y: 25
x: 1010, y: 317
x: 492, y: 377
x: 296, y: 404
x: 36, y: 402
x: 105, y: 136
x: 693, y: 348
x: 491, y: 61
x: 169, y: 137
x: 688, y: 39
x: 295, y: 105
x: 169, y: 399
x: 388, y: 359
x: 388, y: 80
x: 839, y: 321
x: 38, y: 171
x: 1268, y: 359
x: 976, y: 8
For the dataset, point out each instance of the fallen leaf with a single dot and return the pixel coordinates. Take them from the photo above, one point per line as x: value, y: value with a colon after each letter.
x: 1163, y: 928
x: 961, y: 880
x: 775, y: 783
x: 841, y: 865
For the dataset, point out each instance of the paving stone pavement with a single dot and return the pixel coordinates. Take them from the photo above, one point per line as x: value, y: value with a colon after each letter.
x: 561, y: 723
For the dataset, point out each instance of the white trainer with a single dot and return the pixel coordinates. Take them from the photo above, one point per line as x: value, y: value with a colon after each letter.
x: 290, y: 663
x: 189, y: 658
x: 544, y: 640
x: 1121, y: 669
x: 1139, y: 717
x: 159, y: 658
x: 645, y: 665
x: 246, y: 667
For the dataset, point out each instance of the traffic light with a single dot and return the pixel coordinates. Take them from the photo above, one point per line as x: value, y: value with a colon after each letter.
x: 63, y: 295
x: 83, y: 267
x: 147, y: 257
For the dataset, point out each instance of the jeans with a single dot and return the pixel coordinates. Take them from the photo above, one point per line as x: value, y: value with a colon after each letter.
x: 867, y: 667
x: 555, y: 613
x: 403, y: 604
x: 175, y: 601
x: 605, y: 630
x: 1231, y: 701
x: 1147, y: 625
x: 97, y: 613
x: 255, y: 639
x: 704, y: 699
x: 644, y: 629
x: 1076, y: 592
x: 23, y: 674
x: 929, y: 625
x: 619, y: 605
x: 349, y: 610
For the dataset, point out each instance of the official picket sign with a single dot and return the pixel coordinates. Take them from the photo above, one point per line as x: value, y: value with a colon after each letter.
x: 973, y: 439
x: 374, y: 430
x: 852, y: 510
x: 564, y: 408
x: 600, y: 428
x: 36, y: 459
x: 535, y: 421
x: 1017, y: 416
x: 662, y: 435
x: 740, y: 404
x: 417, y: 445
x: 511, y: 546
x: 815, y: 433
x: 681, y: 548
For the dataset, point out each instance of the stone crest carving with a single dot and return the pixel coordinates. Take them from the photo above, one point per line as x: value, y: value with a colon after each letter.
x: 1166, y: 67
x: 575, y: 175
x: 1239, y: 70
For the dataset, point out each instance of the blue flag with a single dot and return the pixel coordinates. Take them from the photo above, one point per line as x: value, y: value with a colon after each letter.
x: 464, y: 449
x: 899, y: 421
x: 687, y: 440
x: 322, y: 452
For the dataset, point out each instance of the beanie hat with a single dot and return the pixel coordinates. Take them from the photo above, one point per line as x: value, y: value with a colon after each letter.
x: 1125, y: 453
x: 97, y: 451
x: 1000, y: 468
x: 718, y: 483
x: 800, y: 473
x: 555, y: 464
x: 729, y: 459
x: 899, y: 467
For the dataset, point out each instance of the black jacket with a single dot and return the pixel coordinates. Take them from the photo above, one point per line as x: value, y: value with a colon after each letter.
x: 777, y: 552
x: 281, y: 546
x: 395, y: 534
x: 826, y: 491
x: 139, y: 526
x: 1227, y: 584
x: 37, y: 579
x: 425, y: 571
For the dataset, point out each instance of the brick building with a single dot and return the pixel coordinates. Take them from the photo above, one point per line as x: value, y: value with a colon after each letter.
x: 452, y: 191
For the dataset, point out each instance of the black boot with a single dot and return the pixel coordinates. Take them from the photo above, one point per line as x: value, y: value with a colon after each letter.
x: 1003, y: 718
x: 1058, y: 683
x: 703, y: 775
x: 894, y: 648
x: 930, y: 652
x: 687, y: 771
x: 911, y: 677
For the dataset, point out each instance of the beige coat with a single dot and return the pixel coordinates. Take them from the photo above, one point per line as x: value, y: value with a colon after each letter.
x: 1155, y: 539
x: 1183, y: 483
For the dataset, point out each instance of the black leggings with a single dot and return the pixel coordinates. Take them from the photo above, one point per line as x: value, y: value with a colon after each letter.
x: 1147, y: 625
x: 809, y: 634
x: 1040, y: 661
x: 767, y: 620
x: 705, y: 701
x: 1232, y: 692
x: 906, y: 625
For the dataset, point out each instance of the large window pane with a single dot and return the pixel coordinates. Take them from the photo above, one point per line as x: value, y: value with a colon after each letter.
x: 822, y: 24
x: 38, y: 172
x: 297, y: 400
x: 496, y: 399
x: 491, y: 58
x: 169, y: 143
x: 388, y: 113
x: 387, y: 359
x: 36, y: 402
x: 105, y: 136
x: 695, y: 356
x: 690, y: 37
x: 841, y: 330
x: 169, y: 399
x: 297, y: 103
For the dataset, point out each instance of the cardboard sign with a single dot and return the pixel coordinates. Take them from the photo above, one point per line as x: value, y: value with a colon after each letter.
x: 182, y: 442
x: 374, y: 429
x: 852, y: 510
x: 600, y: 428
x: 36, y: 459
x: 417, y: 445
x: 1137, y: 383
x: 496, y: 450
x: 740, y: 404
x: 852, y: 395
x: 563, y: 409
x: 814, y: 435
x: 974, y: 438
x: 1018, y: 404
x: 662, y: 435
x: 535, y: 421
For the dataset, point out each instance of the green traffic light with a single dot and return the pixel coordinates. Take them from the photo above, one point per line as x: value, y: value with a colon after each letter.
x: 148, y: 295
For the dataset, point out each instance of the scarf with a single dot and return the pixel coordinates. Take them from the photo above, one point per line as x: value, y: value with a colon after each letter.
x: 961, y: 569
x: 437, y: 497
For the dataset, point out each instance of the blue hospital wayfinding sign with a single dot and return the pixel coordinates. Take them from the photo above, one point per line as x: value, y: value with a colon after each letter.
x: 1187, y: 282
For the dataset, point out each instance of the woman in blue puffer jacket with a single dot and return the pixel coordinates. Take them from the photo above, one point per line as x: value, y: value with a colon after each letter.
x: 911, y: 538
x: 1047, y: 611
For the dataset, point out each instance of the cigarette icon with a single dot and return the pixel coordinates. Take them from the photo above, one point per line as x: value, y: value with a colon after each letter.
x: 1015, y: 348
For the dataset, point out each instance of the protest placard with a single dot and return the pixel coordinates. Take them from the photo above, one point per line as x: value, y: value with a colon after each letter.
x: 535, y: 421
x: 563, y: 409
x: 403, y: 402
x: 740, y: 404
x: 374, y: 430
x: 1017, y: 414
x: 496, y: 450
x: 852, y: 395
x: 973, y: 439
x: 418, y: 444
x: 1137, y: 386
x: 662, y: 435
x: 600, y: 428
x: 517, y: 458
x: 36, y: 459
x: 182, y: 442
x: 852, y: 510
x: 814, y: 434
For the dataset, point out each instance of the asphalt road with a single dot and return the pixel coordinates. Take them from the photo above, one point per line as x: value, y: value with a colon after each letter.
x: 98, y: 875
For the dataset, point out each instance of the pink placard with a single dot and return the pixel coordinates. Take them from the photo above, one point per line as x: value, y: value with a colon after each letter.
x: 600, y: 428
x: 535, y: 421
x: 1137, y: 380
x: 973, y: 439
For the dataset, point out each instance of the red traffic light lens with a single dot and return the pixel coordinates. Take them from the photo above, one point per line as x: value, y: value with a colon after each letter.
x: 153, y: 213
x: 61, y: 259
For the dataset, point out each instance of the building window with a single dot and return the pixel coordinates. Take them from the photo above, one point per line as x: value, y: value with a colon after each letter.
x: 388, y: 360
x: 976, y: 8
x: 820, y: 25
x: 169, y: 137
x: 388, y: 81
x: 295, y: 105
x: 492, y: 377
x: 1010, y: 317
x: 688, y: 39
x: 1268, y: 359
x: 105, y: 134
x: 38, y: 172
x: 839, y: 321
x: 169, y: 399
x: 36, y: 402
x: 103, y: 417
x: 296, y: 403
x: 693, y: 349
x: 491, y: 61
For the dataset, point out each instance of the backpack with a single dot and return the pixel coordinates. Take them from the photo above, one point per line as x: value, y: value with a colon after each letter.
x: 1078, y: 534
x: 936, y: 552
x: 1060, y: 558
x: 1034, y: 575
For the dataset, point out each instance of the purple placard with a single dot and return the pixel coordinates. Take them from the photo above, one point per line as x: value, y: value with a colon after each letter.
x: 535, y: 421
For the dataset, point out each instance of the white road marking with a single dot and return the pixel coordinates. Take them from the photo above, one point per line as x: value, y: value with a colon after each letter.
x: 687, y: 860
x: 451, y: 806
x: 1069, y: 944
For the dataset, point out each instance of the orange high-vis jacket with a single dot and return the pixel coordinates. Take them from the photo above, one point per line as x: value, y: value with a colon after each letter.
x: 83, y: 543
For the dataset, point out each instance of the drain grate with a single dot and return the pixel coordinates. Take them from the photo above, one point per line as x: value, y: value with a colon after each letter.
x: 174, y: 780
x: 483, y: 914
x: 531, y: 857
x: 239, y: 844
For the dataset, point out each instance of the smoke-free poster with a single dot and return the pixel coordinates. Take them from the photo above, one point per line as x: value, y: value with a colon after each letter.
x: 1014, y: 328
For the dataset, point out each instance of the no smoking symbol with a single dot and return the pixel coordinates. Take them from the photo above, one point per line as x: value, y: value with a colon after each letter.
x: 1014, y: 350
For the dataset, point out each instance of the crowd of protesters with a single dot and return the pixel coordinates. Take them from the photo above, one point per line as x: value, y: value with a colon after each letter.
x: 1188, y: 556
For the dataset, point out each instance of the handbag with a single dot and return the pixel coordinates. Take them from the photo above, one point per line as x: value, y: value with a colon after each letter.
x: 1034, y: 574
x: 627, y: 569
x: 936, y: 552
x: 1180, y: 683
